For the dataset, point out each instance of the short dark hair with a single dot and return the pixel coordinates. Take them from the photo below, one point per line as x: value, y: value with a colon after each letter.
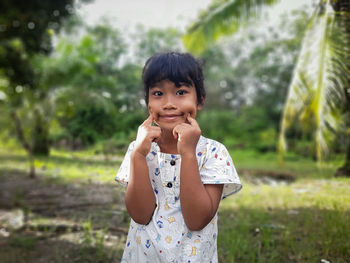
x: 180, y: 68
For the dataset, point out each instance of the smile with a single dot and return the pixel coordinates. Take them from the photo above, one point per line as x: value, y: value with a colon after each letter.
x: 170, y: 117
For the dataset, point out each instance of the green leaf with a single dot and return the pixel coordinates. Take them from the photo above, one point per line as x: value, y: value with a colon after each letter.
x: 317, y: 92
x: 220, y: 19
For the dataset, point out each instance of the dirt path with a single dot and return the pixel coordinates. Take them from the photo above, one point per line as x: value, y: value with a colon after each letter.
x: 49, y: 222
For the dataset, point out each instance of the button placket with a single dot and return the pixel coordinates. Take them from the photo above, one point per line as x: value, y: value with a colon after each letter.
x: 170, y: 181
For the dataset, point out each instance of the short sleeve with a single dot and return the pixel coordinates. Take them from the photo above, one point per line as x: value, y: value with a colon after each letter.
x: 122, y: 176
x: 218, y: 168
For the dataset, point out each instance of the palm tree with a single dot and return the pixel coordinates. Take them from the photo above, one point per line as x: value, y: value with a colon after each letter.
x: 319, y: 93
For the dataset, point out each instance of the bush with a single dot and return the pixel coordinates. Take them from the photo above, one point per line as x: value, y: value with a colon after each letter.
x: 250, y: 129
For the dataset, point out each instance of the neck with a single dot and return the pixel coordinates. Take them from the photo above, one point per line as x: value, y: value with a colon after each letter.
x: 167, y: 143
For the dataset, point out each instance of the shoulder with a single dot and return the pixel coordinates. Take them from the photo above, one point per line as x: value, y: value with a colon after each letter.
x: 208, y: 146
x: 150, y: 156
x: 209, y: 150
x: 131, y: 145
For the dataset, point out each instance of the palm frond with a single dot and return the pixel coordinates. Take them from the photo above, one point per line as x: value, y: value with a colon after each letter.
x: 316, y: 95
x: 222, y: 18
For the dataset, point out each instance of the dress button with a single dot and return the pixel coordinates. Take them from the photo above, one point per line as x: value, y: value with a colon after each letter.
x: 169, y: 185
x: 172, y: 162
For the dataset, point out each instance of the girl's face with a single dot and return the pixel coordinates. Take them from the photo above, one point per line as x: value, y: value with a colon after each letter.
x: 170, y: 105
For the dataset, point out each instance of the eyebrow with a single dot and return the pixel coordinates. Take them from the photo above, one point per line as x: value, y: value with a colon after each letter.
x: 182, y: 85
x: 154, y: 86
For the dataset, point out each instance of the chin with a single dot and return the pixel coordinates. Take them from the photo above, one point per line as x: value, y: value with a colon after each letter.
x: 169, y: 125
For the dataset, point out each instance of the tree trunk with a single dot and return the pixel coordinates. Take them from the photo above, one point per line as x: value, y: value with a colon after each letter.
x: 40, y: 135
x: 24, y: 142
x: 345, y: 169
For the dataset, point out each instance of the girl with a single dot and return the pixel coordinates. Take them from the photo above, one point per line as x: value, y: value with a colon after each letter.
x: 175, y: 177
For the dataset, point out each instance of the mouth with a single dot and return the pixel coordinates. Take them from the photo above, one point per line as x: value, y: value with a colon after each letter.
x: 170, y: 117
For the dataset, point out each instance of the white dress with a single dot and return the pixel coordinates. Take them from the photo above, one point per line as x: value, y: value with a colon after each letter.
x: 166, y: 238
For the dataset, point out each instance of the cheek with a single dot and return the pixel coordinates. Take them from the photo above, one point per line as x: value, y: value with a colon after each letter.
x: 152, y: 110
x: 190, y: 108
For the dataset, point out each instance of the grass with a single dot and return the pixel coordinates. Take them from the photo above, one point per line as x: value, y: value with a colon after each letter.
x: 297, y: 165
x: 23, y: 242
x: 305, y: 221
x: 302, y: 221
x: 63, y: 166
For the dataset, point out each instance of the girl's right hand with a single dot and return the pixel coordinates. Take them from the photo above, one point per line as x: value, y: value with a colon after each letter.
x: 146, y: 134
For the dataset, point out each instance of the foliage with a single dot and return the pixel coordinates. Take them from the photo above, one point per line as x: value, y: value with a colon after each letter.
x: 317, y: 94
x: 89, y: 90
x: 222, y: 17
x: 245, y: 96
x: 156, y: 40
x: 117, y: 113
x: 250, y: 129
x: 26, y: 29
x: 237, y: 76
x: 89, y: 84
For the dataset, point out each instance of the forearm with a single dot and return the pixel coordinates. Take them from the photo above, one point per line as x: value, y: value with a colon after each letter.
x: 139, y: 197
x: 196, y: 204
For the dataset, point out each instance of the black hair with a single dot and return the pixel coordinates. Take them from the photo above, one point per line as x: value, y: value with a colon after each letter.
x: 179, y: 68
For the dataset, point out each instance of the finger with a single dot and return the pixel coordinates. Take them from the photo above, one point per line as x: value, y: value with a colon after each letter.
x: 192, y: 121
x: 155, y: 129
x: 175, y: 132
x: 157, y: 139
x: 155, y: 134
x: 186, y: 118
x: 179, y: 129
x: 149, y: 120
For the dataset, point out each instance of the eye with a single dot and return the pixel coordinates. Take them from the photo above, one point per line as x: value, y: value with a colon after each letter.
x: 157, y: 93
x: 181, y: 92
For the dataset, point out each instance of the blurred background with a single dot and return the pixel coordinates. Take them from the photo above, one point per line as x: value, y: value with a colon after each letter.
x: 277, y: 76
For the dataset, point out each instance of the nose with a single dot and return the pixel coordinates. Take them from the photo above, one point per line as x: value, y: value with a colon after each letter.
x: 169, y: 103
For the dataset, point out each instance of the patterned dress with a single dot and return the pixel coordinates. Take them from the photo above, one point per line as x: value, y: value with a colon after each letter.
x: 166, y: 238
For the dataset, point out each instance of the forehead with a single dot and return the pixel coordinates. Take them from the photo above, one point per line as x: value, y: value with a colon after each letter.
x: 169, y: 84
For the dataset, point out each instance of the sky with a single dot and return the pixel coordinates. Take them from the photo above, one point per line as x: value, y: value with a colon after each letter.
x: 160, y: 13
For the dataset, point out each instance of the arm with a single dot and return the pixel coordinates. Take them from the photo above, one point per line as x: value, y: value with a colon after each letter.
x: 139, y: 197
x: 199, y: 202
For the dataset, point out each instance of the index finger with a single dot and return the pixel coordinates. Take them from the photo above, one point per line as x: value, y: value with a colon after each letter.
x: 192, y: 121
x: 149, y: 120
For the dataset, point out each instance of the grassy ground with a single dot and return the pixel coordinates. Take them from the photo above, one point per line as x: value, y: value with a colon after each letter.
x: 301, y: 216
x: 301, y: 221
x: 71, y: 212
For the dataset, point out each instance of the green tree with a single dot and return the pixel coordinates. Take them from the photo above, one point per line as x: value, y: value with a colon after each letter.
x: 151, y: 41
x: 319, y: 94
x: 259, y: 76
x: 89, y: 84
x: 247, y: 87
x: 26, y: 29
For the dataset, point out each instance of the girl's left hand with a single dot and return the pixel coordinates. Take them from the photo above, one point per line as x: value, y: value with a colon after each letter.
x: 187, y: 135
